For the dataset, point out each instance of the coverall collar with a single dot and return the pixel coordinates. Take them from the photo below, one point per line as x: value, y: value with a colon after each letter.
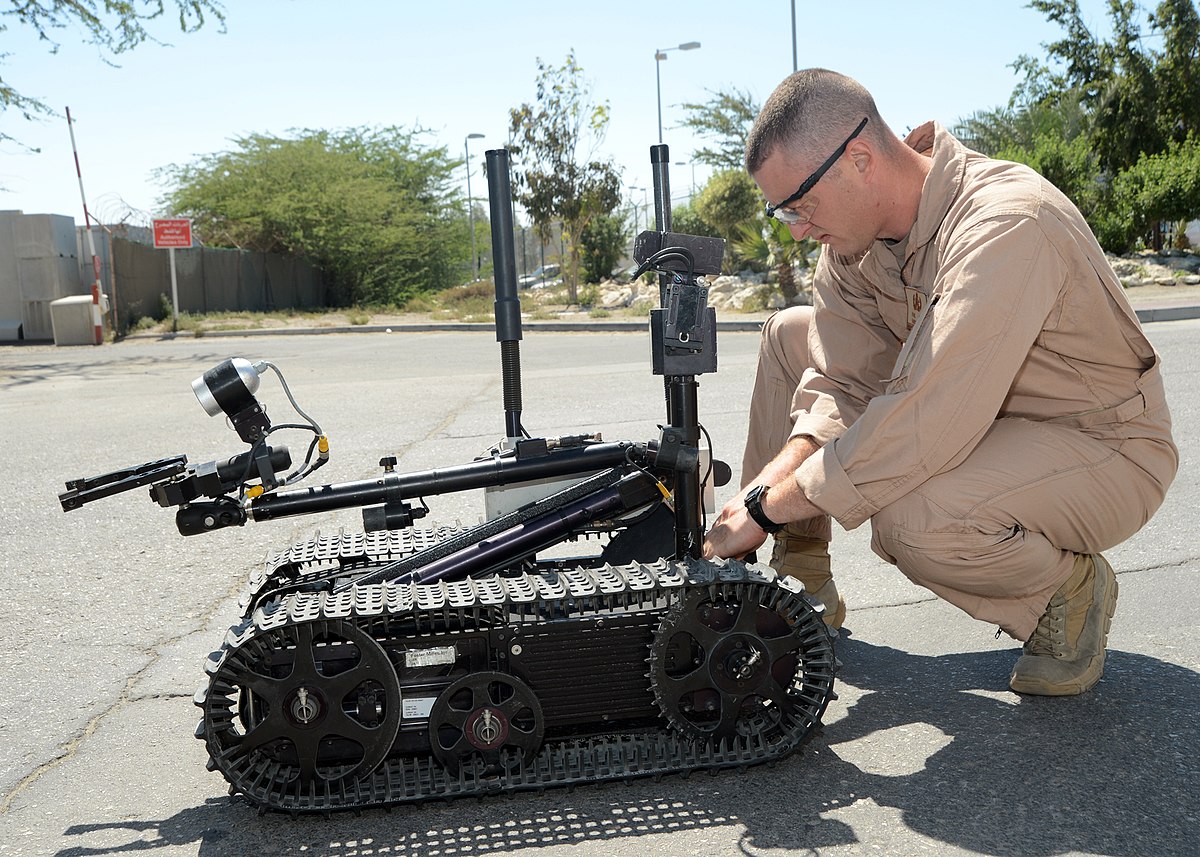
x: 942, y: 185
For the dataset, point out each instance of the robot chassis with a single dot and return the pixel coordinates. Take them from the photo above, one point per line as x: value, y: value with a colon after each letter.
x: 402, y: 664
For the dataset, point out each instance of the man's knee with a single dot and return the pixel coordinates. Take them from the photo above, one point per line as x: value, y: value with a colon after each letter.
x: 783, y: 352
x: 783, y: 330
x: 931, y: 545
x: 987, y: 569
x: 890, y: 525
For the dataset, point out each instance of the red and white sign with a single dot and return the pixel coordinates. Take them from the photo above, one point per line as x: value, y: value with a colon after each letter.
x: 173, y: 232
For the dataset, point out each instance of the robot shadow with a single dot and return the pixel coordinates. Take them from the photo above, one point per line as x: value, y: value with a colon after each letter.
x: 927, y: 750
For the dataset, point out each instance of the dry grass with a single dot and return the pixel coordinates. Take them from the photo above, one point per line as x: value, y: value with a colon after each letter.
x: 473, y: 302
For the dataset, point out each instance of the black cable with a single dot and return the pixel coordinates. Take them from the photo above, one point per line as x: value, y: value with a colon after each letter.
x: 258, y: 444
x: 669, y: 253
x: 704, y: 478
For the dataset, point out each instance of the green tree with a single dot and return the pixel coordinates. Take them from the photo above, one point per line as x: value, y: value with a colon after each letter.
x: 1070, y: 165
x: 560, y: 176
x: 1162, y: 186
x: 603, y: 242
x: 728, y: 200
x: 1017, y: 126
x: 1139, y: 98
x: 685, y: 219
x: 726, y: 121
x: 1127, y: 121
x: 771, y: 245
x: 113, y: 26
x: 376, y: 210
x: 1098, y: 106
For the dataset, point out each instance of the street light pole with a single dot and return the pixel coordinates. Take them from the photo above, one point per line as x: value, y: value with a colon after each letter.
x: 470, y: 204
x: 660, y: 54
x: 692, y: 164
x: 795, y: 61
x: 637, y: 209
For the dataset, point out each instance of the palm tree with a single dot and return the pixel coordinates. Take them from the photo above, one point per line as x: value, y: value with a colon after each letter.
x: 772, y: 245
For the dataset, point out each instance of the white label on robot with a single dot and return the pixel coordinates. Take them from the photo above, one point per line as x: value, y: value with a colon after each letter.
x: 417, y: 707
x: 431, y: 657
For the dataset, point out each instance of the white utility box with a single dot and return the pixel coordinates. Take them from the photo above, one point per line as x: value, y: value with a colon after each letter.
x: 73, y: 320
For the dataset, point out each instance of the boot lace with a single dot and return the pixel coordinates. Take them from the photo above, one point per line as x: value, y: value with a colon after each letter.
x: 1050, y: 636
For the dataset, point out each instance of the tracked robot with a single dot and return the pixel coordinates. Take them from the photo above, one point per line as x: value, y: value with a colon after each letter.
x: 404, y: 663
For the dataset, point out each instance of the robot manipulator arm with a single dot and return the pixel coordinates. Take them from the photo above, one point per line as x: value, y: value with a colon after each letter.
x: 227, y: 388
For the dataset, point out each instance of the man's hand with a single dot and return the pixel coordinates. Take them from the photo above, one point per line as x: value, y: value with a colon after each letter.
x: 734, y: 533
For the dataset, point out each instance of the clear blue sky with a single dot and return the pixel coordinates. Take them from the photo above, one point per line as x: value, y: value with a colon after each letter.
x: 457, y: 68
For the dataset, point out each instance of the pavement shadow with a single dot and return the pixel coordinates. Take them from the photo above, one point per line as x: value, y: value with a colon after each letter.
x: 940, y: 740
x: 932, y: 748
x: 194, y: 824
x: 99, y: 364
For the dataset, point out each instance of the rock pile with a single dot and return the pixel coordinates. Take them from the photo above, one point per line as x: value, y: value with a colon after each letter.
x: 1170, y: 268
x: 748, y: 291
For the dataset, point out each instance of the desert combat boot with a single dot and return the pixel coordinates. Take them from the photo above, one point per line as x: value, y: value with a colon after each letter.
x: 1065, y: 655
x: 807, y: 560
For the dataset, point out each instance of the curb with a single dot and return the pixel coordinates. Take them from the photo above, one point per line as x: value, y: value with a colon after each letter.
x: 752, y: 326
x: 1145, y: 315
x: 1167, y: 313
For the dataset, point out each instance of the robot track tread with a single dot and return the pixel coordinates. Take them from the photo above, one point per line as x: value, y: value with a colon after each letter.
x: 509, y: 608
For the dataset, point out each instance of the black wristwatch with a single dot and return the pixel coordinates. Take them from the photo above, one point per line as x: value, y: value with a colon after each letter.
x: 754, y: 498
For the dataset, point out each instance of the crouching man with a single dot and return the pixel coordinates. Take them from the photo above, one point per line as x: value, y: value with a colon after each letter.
x: 971, y: 379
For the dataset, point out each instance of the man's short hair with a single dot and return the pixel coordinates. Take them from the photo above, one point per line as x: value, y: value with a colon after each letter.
x: 812, y: 110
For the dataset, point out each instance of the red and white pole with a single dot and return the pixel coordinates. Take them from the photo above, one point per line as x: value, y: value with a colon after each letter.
x: 97, y: 314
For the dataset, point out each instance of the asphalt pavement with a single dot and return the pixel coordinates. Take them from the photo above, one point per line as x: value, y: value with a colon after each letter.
x: 107, y: 615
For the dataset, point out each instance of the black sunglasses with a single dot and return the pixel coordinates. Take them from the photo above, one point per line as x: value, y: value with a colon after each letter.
x: 785, y: 215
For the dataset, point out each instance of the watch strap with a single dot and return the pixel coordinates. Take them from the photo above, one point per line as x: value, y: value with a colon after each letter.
x: 754, y: 507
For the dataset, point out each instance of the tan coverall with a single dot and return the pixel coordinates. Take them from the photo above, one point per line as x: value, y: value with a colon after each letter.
x: 991, y: 405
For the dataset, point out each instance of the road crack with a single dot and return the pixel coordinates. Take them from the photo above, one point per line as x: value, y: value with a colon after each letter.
x: 69, y: 749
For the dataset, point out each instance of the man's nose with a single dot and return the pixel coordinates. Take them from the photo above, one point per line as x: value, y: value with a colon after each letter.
x: 800, y: 230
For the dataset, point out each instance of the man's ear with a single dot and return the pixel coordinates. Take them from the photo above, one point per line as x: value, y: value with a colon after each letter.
x: 862, y: 155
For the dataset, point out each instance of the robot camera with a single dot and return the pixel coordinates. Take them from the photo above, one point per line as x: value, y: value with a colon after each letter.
x: 229, y: 388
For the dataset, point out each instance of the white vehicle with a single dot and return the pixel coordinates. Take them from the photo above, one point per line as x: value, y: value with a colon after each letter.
x: 541, y: 278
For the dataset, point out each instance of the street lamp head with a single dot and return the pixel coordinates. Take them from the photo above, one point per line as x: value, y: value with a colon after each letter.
x: 659, y: 55
x: 474, y: 136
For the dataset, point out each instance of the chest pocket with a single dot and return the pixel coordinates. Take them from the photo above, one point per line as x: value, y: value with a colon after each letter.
x: 898, y: 382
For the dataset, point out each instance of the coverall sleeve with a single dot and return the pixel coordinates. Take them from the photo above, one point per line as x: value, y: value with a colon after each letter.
x: 997, y: 282
x: 851, y: 352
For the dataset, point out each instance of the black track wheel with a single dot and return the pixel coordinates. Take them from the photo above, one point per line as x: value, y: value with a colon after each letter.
x: 301, y: 710
x: 488, y: 717
x: 742, y: 660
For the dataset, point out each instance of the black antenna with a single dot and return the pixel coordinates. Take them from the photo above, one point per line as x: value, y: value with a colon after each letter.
x: 660, y: 159
x: 508, y: 304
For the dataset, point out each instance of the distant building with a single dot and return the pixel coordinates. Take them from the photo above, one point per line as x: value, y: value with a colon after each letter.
x: 39, y: 263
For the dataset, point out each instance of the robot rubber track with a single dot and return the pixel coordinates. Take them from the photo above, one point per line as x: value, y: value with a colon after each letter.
x: 390, y: 694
